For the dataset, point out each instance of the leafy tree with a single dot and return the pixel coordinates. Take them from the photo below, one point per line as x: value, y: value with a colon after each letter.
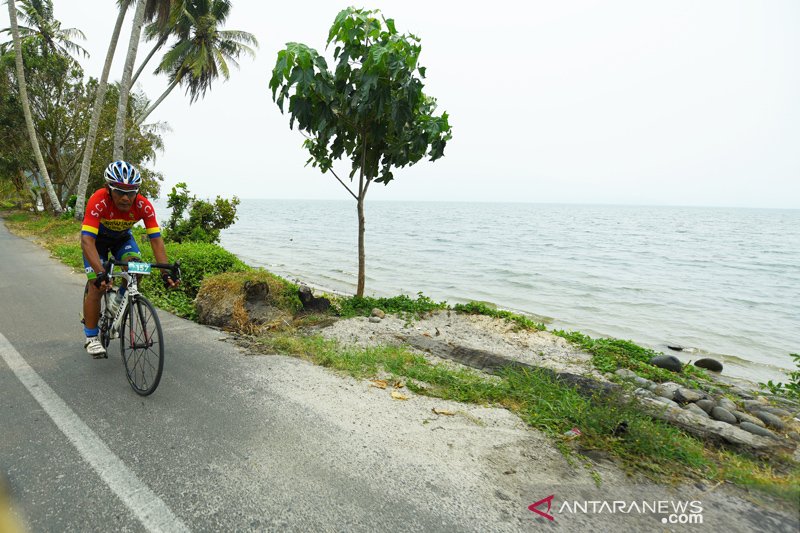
x: 371, y: 108
x: 205, y: 219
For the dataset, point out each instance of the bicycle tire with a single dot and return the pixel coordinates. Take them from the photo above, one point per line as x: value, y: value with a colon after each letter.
x: 142, y: 345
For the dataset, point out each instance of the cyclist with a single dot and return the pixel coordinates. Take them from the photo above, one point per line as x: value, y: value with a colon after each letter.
x: 110, y: 214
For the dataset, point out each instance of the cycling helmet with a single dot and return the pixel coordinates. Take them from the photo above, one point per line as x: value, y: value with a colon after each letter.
x: 122, y: 175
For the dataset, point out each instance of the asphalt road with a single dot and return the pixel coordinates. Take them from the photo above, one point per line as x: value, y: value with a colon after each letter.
x: 214, y: 449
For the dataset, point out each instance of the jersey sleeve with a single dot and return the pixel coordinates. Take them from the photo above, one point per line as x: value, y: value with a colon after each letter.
x: 94, y: 209
x: 148, y: 214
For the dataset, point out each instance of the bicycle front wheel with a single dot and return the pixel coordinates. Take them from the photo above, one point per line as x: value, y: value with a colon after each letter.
x: 142, y: 346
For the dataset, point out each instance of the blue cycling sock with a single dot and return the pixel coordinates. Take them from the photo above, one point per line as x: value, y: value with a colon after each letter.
x: 91, y: 332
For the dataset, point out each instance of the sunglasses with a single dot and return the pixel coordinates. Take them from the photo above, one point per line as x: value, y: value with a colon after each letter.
x: 130, y: 194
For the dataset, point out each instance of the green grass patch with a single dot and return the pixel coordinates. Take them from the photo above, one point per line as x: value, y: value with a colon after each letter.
x: 658, y: 450
x: 479, y: 308
x: 609, y: 355
x: 402, y: 305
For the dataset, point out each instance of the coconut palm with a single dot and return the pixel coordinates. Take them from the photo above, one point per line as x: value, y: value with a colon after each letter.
x: 40, y: 25
x: 203, y: 50
x: 26, y: 107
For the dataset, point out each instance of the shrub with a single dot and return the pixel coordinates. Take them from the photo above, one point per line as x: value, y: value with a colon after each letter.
x: 205, y: 219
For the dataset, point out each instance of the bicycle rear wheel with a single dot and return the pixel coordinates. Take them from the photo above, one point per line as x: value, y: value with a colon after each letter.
x: 142, y: 346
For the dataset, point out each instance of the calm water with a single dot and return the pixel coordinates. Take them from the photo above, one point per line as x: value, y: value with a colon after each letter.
x: 721, y: 281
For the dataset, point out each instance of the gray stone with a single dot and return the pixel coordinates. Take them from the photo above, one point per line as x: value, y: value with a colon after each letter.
x: 709, y: 364
x: 706, y: 405
x: 794, y: 436
x: 753, y: 406
x: 644, y: 393
x: 696, y: 410
x: 756, y: 430
x: 624, y: 373
x: 727, y: 404
x: 723, y: 415
x: 669, y: 362
x: 744, y: 417
x: 643, y: 382
x: 667, y: 401
x: 378, y: 313
x: 666, y: 390
x: 676, y: 347
x: 777, y: 411
x: 684, y: 395
x: 770, y: 419
x: 375, y: 319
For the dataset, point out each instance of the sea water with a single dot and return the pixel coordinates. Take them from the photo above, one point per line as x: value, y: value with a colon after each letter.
x: 721, y: 282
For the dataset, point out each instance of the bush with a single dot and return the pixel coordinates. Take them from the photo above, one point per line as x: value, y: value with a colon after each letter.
x: 205, y: 219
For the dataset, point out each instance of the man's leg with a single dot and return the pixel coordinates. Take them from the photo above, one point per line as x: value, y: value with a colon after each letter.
x: 91, y: 310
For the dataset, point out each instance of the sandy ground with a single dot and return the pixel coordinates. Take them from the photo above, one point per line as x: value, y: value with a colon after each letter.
x: 488, y: 455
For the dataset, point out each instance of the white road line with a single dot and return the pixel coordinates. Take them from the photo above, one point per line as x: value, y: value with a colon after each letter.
x: 148, y: 508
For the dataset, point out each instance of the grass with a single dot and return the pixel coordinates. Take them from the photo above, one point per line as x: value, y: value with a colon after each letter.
x: 658, y: 450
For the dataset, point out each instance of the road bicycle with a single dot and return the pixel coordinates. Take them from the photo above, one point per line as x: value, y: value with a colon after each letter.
x: 135, y: 322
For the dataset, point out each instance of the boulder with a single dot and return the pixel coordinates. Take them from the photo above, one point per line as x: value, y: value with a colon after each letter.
x: 375, y: 319
x: 709, y: 364
x: 684, y: 395
x: 378, y: 313
x: 770, y: 420
x: 692, y: 407
x: 777, y: 411
x: 727, y: 404
x: 237, y: 303
x: 624, y: 373
x: 676, y: 347
x: 756, y: 430
x: 706, y: 405
x: 669, y: 362
x: 666, y: 390
x: 744, y: 417
x: 723, y: 415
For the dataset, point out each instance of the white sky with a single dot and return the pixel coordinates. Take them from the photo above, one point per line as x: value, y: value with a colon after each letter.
x: 622, y: 102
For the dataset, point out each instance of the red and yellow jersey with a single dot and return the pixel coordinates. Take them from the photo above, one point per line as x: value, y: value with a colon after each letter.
x: 103, y: 219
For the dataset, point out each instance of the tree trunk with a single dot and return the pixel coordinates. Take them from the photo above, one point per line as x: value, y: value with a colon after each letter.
x: 99, y: 100
x: 125, y: 84
x: 155, y: 104
x: 26, y: 107
x: 361, y: 254
x: 159, y: 44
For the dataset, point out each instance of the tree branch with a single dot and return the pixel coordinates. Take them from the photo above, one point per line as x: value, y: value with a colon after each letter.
x: 343, y: 184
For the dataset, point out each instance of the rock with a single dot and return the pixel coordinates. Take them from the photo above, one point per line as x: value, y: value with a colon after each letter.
x: 723, y: 415
x: 696, y: 410
x: 643, y: 382
x: 706, y: 405
x: 375, y: 319
x: 676, y: 347
x: 753, y: 406
x: 239, y: 306
x: 667, y: 401
x: 777, y: 411
x: 312, y: 304
x: 756, y: 430
x: 709, y: 364
x: 795, y: 436
x: 644, y: 393
x: 669, y: 362
x: 744, y: 417
x: 727, y: 404
x: 378, y: 313
x: 684, y: 395
x: 712, y: 430
x: 770, y: 419
x: 624, y: 373
x: 666, y: 390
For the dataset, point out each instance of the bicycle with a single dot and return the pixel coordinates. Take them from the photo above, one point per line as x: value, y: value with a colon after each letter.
x: 136, y: 324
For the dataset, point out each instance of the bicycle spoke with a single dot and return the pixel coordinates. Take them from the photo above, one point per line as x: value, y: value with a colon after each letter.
x: 142, y: 350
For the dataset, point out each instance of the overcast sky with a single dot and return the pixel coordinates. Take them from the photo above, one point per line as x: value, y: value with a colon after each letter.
x: 623, y: 102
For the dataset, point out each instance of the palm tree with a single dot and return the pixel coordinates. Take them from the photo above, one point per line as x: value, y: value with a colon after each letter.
x: 203, y: 49
x: 94, y: 123
x: 125, y: 84
x: 42, y: 26
x: 26, y: 107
